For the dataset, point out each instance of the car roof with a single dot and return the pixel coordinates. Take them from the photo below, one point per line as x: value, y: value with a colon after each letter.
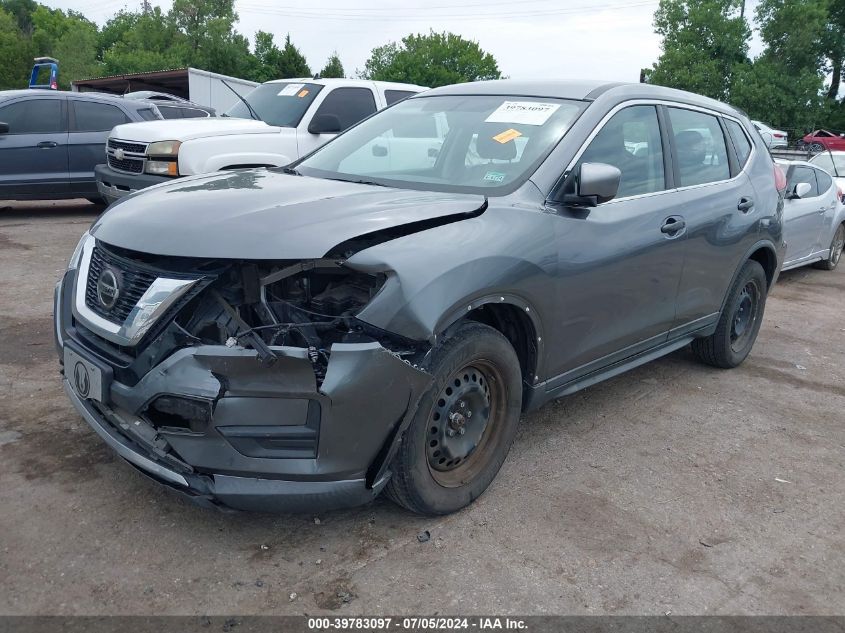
x: 584, y: 90
x: 85, y: 96
x: 384, y: 85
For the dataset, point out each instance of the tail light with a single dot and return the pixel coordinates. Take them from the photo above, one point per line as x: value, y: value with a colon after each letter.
x: 780, y: 179
x: 780, y: 135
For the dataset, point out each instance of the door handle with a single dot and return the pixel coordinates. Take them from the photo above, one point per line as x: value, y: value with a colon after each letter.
x: 745, y: 204
x: 47, y: 145
x: 673, y: 225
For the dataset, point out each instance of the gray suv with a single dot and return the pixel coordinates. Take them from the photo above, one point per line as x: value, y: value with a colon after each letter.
x: 377, y: 315
x: 50, y: 141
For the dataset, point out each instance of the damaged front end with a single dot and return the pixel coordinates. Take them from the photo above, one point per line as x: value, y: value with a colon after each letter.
x: 249, y: 384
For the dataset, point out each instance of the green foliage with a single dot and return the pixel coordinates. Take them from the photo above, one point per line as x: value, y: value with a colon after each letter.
x: 436, y: 59
x: 291, y: 62
x: 702, y: 43
x: 15, y: 53
x: 333, y: 68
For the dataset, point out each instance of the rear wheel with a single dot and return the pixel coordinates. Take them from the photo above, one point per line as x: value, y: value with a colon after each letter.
x: 836, y: 246
x: 740, y: 321
x: 464, y: 425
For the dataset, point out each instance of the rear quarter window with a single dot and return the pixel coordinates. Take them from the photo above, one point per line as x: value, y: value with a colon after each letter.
x: 741, y: 143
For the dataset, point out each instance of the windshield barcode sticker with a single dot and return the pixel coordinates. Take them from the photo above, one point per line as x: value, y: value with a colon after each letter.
x: 523, y: 112
x: 290, y: 90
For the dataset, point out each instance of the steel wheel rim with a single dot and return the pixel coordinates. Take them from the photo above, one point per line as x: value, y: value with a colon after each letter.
x: 454, y: 457
x: 745, y: 314
x: 838, y: 244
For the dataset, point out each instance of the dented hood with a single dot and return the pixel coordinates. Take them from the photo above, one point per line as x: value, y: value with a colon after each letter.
x: 264, y: 214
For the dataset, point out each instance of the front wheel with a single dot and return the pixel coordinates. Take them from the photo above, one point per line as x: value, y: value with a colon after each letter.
x: 464, y: 424
x: 835, y: 253
x: 816, y: 147
x: 739, y: 322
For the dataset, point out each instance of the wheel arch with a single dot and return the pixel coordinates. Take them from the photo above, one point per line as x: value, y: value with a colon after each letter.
x: 514, y: 318
x: 765, y: 254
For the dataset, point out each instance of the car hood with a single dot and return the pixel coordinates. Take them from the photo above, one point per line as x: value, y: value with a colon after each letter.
x: 264, y: 214
x: 187, y: 129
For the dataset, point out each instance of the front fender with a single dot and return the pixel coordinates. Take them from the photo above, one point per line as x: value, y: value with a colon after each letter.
x: 213, y: 153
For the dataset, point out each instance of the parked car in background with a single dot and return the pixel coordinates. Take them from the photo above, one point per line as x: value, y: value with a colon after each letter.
x: 276, y: 123
x: 51, y: 140
x: 821, y: 140
x: 774, y: 138
x: 303, y: 338
x: 833, y: 162
x: 171, y: 106
x: 813, y: 217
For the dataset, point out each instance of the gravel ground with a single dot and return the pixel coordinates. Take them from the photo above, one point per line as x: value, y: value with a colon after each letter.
x: 675, y: 487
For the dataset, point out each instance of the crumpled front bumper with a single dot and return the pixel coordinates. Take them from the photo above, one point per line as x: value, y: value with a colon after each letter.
x: 275, y: 440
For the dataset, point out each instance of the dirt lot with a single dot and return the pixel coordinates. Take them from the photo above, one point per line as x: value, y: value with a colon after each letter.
x: 675, y: 487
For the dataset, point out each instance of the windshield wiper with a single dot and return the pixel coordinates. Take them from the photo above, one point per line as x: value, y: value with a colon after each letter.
x: 252, y: 112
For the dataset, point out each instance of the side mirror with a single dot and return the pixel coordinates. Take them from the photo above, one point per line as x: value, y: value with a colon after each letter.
x: 594, y: 183
x: 324, y: 124
x: 800, y: 190
x: 4, y: 128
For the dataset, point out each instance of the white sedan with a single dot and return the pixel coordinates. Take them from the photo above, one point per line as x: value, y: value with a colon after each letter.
x: 813, y: 217
x: 773, y: 138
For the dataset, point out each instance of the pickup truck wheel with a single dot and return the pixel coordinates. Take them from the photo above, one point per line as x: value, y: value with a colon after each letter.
x: 464, y: 425
x: 836, y: 246
x: 739, y: 323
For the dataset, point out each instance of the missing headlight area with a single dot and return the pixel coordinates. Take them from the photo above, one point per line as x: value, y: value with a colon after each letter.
x: 309, y: 304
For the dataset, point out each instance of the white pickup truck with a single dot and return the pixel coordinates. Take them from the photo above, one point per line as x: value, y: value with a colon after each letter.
x: 274, y: 124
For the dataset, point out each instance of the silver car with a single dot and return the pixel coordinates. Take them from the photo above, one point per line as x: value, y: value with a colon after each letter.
x: 813, y: 217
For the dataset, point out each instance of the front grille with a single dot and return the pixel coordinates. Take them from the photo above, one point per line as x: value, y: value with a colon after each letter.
x: 133, y: 282
x: 126, y: 146
x: 131, y: 165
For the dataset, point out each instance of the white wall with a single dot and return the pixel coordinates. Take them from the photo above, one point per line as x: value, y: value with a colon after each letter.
x: 206, y: 88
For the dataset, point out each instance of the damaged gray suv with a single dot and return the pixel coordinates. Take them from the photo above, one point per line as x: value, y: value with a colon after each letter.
x: 378, y: 315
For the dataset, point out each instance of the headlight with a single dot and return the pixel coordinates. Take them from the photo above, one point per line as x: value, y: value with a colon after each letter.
x: 162, y: 167
x: 163, y: 148
x: 73, y: 264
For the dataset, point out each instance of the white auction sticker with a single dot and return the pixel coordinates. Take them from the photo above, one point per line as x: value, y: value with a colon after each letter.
x: 523, y: 112
x: 290, y: 90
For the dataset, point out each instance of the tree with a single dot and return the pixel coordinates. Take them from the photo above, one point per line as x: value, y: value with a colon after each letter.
x: 291, y: 62
x: 703, y: 43
x: 140, y: 41
x: 436, y: 59
x: 784, y: 84
x: 333, y: 68
x: 16, y: 53
x: 266, y: 57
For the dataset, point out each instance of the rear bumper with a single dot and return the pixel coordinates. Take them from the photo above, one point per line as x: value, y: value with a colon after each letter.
x: 113, y: 185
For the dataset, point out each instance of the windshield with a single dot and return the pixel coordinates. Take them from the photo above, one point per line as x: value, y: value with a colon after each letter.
x: 477, y: 144
x: 281, y: 104
x: 834, y: 164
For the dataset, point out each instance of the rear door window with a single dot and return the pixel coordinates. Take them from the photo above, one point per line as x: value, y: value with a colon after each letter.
x: 699, y: 147
x: 349, y: 105
x: 97, y: 117
x: 392, y: 96
x: 34, y: 116
x: 824, y: 181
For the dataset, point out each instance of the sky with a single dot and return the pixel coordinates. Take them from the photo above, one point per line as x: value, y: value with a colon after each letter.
x: 530, y: 39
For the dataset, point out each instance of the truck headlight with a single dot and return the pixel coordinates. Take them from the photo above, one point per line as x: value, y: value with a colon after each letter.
x: 162, y: 167
x: 163, y: 148
x: 162, y: 158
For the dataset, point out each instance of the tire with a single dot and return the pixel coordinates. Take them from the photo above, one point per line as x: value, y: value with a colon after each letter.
x: 816, y: 147
x: 739, y: 322
x: 435, y: 473
x: 836, y: 246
